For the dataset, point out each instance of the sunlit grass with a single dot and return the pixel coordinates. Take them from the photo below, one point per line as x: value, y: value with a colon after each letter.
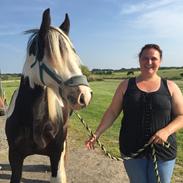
x: 93, y: 114
x: 10, y: 87
x: 103, y: 92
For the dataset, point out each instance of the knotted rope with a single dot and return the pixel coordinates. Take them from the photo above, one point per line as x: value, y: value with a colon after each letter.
x: 132, y: 155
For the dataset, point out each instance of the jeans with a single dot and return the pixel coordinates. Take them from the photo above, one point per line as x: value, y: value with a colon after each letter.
x: 142, y: 170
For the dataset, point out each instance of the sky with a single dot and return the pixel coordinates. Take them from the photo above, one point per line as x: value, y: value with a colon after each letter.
x: 107, y: 34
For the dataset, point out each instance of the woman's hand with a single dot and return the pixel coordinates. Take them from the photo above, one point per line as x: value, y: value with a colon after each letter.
x: 91, y: 142
x: 160, y: 137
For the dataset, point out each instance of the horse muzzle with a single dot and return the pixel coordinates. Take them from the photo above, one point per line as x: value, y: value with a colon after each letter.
x: 81, y: 98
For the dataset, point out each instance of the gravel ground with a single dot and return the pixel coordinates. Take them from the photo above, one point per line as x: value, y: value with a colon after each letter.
x: 83, y: 166
x: 3, y: 144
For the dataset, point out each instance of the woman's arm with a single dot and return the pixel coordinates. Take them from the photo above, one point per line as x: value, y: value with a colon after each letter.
x: 177, y: 105
x: 177, y: 123
x: 110, y: 114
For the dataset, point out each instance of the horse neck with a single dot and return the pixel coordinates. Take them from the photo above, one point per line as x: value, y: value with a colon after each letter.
x: 37, y: 103
x: 26, y: 99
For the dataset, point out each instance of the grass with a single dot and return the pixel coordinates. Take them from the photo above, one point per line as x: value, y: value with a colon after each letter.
x: 173, y: 74
x: 103, y: 92
x: 93, y: 114
x: 10, y: 87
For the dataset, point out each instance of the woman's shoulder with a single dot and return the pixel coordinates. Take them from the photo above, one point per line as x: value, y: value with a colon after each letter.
x: 123, y: 85
x: 173, y: 87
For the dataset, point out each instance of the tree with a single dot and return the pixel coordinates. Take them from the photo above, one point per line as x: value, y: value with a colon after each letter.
x: 85, y: 70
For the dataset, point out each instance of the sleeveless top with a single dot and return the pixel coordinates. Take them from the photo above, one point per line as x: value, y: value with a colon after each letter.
x: 143, y: 115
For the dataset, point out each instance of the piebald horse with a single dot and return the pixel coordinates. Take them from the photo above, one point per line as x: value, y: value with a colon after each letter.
x: 51, y: 87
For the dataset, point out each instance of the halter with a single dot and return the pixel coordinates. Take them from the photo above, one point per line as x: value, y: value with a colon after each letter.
x: 73, y: 81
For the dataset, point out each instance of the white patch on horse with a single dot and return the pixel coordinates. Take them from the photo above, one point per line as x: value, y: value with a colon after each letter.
x: 61, y: 174
x: 12, y: 103
x: 66, y: 62
x: 52, y: 98
x: 32, y: 72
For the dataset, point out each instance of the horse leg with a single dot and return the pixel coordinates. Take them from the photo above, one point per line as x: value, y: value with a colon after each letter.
x: 58, y: 174
x: 16, y: 163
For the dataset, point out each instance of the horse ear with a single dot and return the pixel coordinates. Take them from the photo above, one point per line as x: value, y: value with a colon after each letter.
x: 66, y: 24
x: 45, y: 25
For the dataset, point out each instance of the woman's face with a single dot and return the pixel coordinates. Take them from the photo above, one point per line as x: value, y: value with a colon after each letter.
x: 149, y: 61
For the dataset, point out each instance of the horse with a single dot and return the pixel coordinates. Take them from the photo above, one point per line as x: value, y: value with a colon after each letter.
x: 130, y: 73
x: 51, y: 87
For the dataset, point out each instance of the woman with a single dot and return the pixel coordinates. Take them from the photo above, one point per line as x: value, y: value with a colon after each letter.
x: 152, y: 113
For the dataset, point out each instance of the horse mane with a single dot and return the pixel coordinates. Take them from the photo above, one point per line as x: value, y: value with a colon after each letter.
x: 58, y: 47
x: 61, y: 55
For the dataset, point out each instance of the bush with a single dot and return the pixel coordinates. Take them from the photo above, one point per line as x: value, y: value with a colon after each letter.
x: 85, y: 71
x: 95, y: 78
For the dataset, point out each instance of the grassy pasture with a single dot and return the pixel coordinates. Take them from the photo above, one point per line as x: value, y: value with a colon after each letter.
x: 93, y: 114
x: 173, y: 74
x: 103, y: 92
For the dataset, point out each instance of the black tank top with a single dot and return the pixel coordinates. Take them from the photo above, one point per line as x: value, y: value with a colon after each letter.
x: 143, y: 114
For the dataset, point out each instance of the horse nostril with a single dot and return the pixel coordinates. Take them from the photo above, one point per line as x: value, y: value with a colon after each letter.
x: 81, y: 99
x: 91, y: 94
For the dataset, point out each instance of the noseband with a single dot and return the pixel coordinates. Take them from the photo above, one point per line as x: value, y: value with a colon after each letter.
x: 73, y: 81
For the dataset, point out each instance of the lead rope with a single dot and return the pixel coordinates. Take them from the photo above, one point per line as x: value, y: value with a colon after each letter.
x: 155, y: 163
x: 133, y: 155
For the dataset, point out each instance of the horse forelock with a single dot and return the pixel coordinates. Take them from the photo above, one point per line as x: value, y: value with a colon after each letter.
x: 58, y: 53
x: 62, y: 53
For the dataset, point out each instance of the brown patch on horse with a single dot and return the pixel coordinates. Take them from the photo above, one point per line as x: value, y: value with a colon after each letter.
x: 46, y: 119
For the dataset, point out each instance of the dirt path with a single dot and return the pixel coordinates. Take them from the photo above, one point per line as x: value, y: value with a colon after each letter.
x: 83, y: 166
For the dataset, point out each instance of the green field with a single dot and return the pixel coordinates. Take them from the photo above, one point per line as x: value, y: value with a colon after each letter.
x: 103, y: 92
x: 93, y: 114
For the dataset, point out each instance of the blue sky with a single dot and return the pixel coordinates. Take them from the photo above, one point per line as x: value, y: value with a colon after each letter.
x: 106, y: 33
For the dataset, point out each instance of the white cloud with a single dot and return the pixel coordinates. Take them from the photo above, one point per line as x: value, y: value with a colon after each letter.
x: 162, y: 18
x: 162, y: 22
x: 145, y: 6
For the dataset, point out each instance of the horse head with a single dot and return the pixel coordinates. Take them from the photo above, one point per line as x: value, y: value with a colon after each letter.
x: 52, y: 62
